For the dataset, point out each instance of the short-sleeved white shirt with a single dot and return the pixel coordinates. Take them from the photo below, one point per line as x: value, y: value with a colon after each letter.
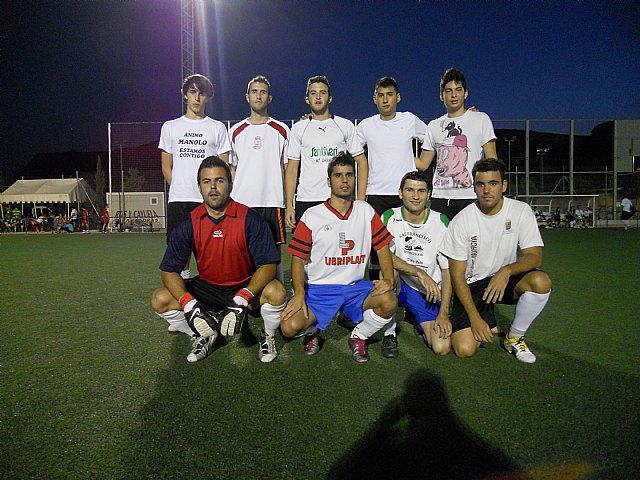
x: 389, y: 149
x: 314, y: 143
x: 458, y: 144
x: 189, y: 142
x: 259, y: 153
x: 488, y: 243
x: 337, y: 248
x: 418, y: 244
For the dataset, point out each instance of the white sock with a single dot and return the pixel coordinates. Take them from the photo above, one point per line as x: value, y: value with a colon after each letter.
x: 271, y: 317
x: 390, y: 328
x: 176, y: 319
x: 369, y: 325
x: 529, y: 306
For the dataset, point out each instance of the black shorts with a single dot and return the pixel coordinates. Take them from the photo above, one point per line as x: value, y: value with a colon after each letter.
x: 450, y: 206
x: 216, y: 297
x: 302, y: 207
x: 382, y: 203
x: 274, y: 217
x: 459, y: 317
x: 175, y: 212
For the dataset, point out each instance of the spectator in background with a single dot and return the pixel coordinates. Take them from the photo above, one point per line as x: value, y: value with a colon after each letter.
x: 84, y: 224
x: 628, y: 211
x: 105, y: 219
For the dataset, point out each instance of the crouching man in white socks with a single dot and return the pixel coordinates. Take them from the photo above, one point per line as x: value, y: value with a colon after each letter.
x: 236, y: 258
x: 494, y: 249
x: 333, y: 241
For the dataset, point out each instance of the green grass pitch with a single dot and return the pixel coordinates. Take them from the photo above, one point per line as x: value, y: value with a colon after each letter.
x: 93, y: 387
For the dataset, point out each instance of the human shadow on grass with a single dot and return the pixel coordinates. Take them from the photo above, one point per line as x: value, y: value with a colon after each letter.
x: 418, y: 436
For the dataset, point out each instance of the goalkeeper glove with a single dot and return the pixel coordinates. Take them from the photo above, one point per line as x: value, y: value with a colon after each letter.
x: 200, y: 319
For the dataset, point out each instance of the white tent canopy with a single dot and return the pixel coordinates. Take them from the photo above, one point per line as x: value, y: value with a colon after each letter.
x: 55, y: 190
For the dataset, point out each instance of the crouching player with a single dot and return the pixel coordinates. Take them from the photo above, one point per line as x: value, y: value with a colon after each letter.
x: 425, y: 285
x: 332, y: 242
x: 236, y: 259
x: 494, y: 249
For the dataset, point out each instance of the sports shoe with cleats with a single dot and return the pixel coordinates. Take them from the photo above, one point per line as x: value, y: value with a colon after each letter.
x: 519, y: 348
x: 201, y: 348
x: 267, y: 352
x: 390, y: 346
x: 358, y: 349
x: 311, y: 344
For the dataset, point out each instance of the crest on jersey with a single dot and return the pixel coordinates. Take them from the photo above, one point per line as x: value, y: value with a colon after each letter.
x: 507, y: 224
x: 345, y: 245
x: 257, y: 142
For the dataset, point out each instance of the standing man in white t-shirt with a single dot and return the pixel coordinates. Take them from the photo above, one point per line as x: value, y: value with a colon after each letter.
x: 314, y: 142
x: 259, y: 157
x: 389, y: 137
x: 458, y: 139
x: 495, y: 252
x: 184, y: 143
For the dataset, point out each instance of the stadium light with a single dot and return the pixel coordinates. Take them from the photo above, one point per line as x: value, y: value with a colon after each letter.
x: 541, y: 153
x: 509, y: 142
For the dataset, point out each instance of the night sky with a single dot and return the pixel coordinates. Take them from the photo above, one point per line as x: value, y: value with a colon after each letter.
x: 82, y: 64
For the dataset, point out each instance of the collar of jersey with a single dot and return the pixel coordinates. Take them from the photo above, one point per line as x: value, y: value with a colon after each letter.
x: 337, y: 213
x: 425, y: 218
x: 231, y: 211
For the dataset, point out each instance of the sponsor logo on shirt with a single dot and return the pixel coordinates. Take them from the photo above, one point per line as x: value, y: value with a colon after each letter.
x: 346, y: 246
x: 218, y: 234
x: 257, y: 142
x: 323, y: 154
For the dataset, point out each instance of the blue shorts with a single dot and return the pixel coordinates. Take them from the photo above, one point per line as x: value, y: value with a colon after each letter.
x: 410, y: 298
x: 325, y: 301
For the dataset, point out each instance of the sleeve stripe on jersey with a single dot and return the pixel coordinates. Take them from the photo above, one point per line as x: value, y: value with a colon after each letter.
x: 379, y: 242
x: 303, y: 253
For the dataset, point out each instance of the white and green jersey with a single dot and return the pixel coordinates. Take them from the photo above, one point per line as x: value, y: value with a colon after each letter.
x: 418, y: 245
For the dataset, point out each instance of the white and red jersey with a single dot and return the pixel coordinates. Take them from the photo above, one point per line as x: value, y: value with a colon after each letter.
x: 259, y: 154
x: 418, y: 244
x: 458, y: 144
x: 314, y: 143
x: 336, y: 247
x: 390, y: 149
x: 189, y: 142
x: 489, y: 242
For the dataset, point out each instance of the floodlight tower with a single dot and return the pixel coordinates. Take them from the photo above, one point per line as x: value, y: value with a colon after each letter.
x: 187, y: 41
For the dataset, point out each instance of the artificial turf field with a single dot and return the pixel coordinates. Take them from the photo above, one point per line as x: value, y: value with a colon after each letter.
x: 92, y: 385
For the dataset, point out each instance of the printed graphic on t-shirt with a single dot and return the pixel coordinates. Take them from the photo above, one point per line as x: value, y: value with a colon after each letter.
x: 453, y: 154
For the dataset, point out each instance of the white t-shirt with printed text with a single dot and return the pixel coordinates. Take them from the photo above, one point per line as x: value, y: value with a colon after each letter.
x: 314, y: 143
x: 489, y: 242
x: 458, y: 145
x: 189, y: 142
x: 418, y: 244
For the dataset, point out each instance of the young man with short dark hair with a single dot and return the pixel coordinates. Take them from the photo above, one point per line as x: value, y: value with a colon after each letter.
x: 236, y: 259
x: 184, y: 143
x: 459, y: 139
x: 494, y: 249
x: 331, y: 247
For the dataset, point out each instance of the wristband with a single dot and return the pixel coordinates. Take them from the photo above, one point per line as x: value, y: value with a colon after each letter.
x: 184, y: 299
x: 243, y: 294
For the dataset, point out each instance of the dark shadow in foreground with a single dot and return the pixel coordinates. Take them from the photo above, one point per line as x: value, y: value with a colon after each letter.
x: 417, y: 436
